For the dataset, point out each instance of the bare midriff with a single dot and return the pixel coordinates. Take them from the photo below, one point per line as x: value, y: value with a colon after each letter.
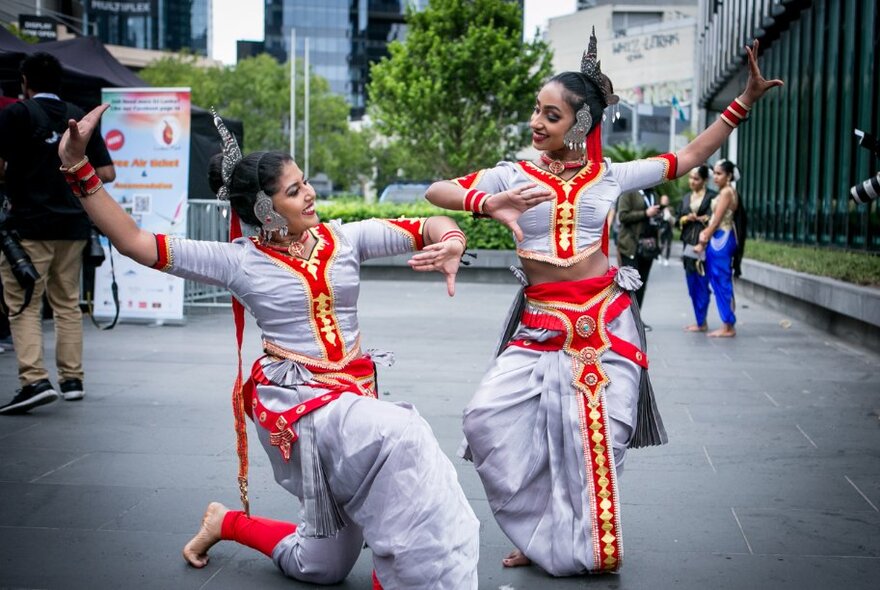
x: 539, y: 272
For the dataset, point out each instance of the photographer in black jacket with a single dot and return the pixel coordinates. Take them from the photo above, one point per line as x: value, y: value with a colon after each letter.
x: 50, y: 226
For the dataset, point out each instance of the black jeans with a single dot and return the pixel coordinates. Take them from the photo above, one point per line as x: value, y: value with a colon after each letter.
x: 643, y: 265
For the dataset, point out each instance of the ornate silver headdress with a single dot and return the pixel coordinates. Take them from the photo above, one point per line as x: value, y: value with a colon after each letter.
x: 231, y: 155
x: 591, y: 68
x: 270, y: 220
x: 576, y: 137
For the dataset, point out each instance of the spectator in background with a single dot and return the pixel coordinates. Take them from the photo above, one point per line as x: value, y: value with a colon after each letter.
x: 639, y: 241
x: 693, y: 215
x: 719, y: 241
x: 53, y: 230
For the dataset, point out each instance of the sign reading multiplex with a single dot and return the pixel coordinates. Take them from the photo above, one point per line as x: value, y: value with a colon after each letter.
x: 120, y: 6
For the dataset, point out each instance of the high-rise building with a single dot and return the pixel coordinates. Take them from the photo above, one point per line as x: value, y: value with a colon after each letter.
x: 345, y: 37
x: 150, y: 24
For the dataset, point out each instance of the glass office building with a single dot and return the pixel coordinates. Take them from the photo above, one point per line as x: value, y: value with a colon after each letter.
x: 345, y: 37
x: 171, y: 25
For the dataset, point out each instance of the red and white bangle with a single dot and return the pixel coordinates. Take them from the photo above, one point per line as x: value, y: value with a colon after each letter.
x: 736, y: 113
x: 474, y: 201
x: 82, y: 179
x: 455, y: 234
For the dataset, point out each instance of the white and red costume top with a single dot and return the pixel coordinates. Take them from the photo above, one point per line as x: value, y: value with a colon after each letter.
x: 574, y: 225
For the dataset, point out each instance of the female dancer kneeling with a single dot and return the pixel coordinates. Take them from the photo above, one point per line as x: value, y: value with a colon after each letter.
x: 364, y: 469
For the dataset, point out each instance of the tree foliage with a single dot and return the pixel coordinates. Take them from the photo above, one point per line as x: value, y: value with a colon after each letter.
x: 455, y: 93
x: 257, y: 92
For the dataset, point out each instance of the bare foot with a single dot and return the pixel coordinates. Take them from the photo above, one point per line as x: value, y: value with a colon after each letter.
x: 726, y: 332
x: 696, y: 328
x: 516, y: 559
x: 196, y: 551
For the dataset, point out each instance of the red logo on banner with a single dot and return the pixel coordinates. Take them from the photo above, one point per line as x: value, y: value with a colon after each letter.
x: 114, y: 140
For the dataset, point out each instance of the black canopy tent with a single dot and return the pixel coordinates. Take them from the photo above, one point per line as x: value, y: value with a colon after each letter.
x: 88, y: 67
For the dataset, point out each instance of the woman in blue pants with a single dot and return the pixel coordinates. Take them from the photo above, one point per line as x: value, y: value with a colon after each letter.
x: 719, y: 241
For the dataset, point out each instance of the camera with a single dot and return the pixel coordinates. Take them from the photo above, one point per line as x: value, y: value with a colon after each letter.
x: 869, y: 190
x: 22, y: 267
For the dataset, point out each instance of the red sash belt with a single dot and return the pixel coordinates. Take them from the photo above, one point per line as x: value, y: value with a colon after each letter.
x: 357, y: 377
x: 581, y: 310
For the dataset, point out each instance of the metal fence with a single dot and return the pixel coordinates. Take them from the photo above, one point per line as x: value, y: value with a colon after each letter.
x: 207, y: 219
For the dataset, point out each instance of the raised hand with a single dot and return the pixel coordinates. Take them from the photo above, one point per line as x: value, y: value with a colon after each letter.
x: 757, y: 85
x: 507, y: 206
x: 72, y: 147
x: 443, y: 257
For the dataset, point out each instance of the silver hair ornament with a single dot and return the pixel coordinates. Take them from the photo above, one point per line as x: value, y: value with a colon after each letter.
x: 270, y: 220
x: 591, y: 67
x: 231, y: 155
x: 576, y: 137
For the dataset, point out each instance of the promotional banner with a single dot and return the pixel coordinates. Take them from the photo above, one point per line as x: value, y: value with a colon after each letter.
x: 147, y: 131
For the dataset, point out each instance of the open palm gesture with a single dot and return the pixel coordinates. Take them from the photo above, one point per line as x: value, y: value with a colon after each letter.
x: 757, y: 85
x: 507, y: 206
x: 72, y: 147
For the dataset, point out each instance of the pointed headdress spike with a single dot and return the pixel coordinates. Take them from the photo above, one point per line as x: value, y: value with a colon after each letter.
x: 231, y: 154
x: 591, y: 67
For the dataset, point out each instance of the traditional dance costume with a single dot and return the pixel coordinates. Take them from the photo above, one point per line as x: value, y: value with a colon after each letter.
x: 364, y: 469
x: 551, y: 421
x: 719, y: 264
x: 695, y: 276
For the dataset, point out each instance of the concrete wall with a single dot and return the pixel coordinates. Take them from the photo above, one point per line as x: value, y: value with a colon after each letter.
x: 849, y: 311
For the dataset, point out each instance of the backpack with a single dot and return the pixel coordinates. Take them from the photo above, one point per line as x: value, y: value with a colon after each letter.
x: 44, y: 131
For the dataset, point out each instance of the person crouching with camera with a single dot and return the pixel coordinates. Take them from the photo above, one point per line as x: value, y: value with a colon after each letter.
x: 639, y: 241
x: 44, y: 236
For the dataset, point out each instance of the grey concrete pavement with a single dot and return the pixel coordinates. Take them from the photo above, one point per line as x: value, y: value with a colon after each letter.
x: 771, y: 478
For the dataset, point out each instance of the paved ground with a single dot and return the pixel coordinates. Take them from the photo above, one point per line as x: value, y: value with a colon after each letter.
x: 771, y: 478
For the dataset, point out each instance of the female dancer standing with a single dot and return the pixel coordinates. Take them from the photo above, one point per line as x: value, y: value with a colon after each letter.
x: 364, y: 469
x: 549, y: 424
x: 693, y: 215
x: 719, y: 242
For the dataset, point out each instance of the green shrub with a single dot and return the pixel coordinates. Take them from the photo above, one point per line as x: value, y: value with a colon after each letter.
x: 860, y: 268
x: 484, y: 234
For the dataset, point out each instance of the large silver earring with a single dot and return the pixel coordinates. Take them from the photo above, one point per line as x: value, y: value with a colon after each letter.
x: 576, y: 137
x: 270, y: 220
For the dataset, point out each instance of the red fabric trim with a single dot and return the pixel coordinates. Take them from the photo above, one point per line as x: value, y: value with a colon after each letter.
x: 672, y: 169
x: 571, y: 291
x: 315, y: 274
x: 468, y: 180
x: 163, y: 253
x: 594, y: 144
x: 605, y: 240
x: 280, y: 424
x: 607, y: 549
x: 262, y: 534
x: 568, y: 193
x: 238, y: 405
x: 376, y: 584
x: 412, y: 226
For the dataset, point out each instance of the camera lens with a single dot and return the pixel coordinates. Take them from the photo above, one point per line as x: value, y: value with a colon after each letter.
x: 866, y: 191
x: 22, y: 267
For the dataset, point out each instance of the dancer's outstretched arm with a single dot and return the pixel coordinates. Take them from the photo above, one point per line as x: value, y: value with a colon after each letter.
x: 706, y: 143
x: 103, y: 210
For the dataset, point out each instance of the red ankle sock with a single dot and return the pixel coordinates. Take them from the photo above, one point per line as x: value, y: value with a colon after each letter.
x: 257, y: 533
x: 376, y: 584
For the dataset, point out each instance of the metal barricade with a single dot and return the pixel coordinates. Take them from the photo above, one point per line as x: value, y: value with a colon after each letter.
x: 207, y: 219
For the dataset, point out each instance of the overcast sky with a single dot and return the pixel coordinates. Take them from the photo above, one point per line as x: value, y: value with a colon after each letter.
x: 243, y: 19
